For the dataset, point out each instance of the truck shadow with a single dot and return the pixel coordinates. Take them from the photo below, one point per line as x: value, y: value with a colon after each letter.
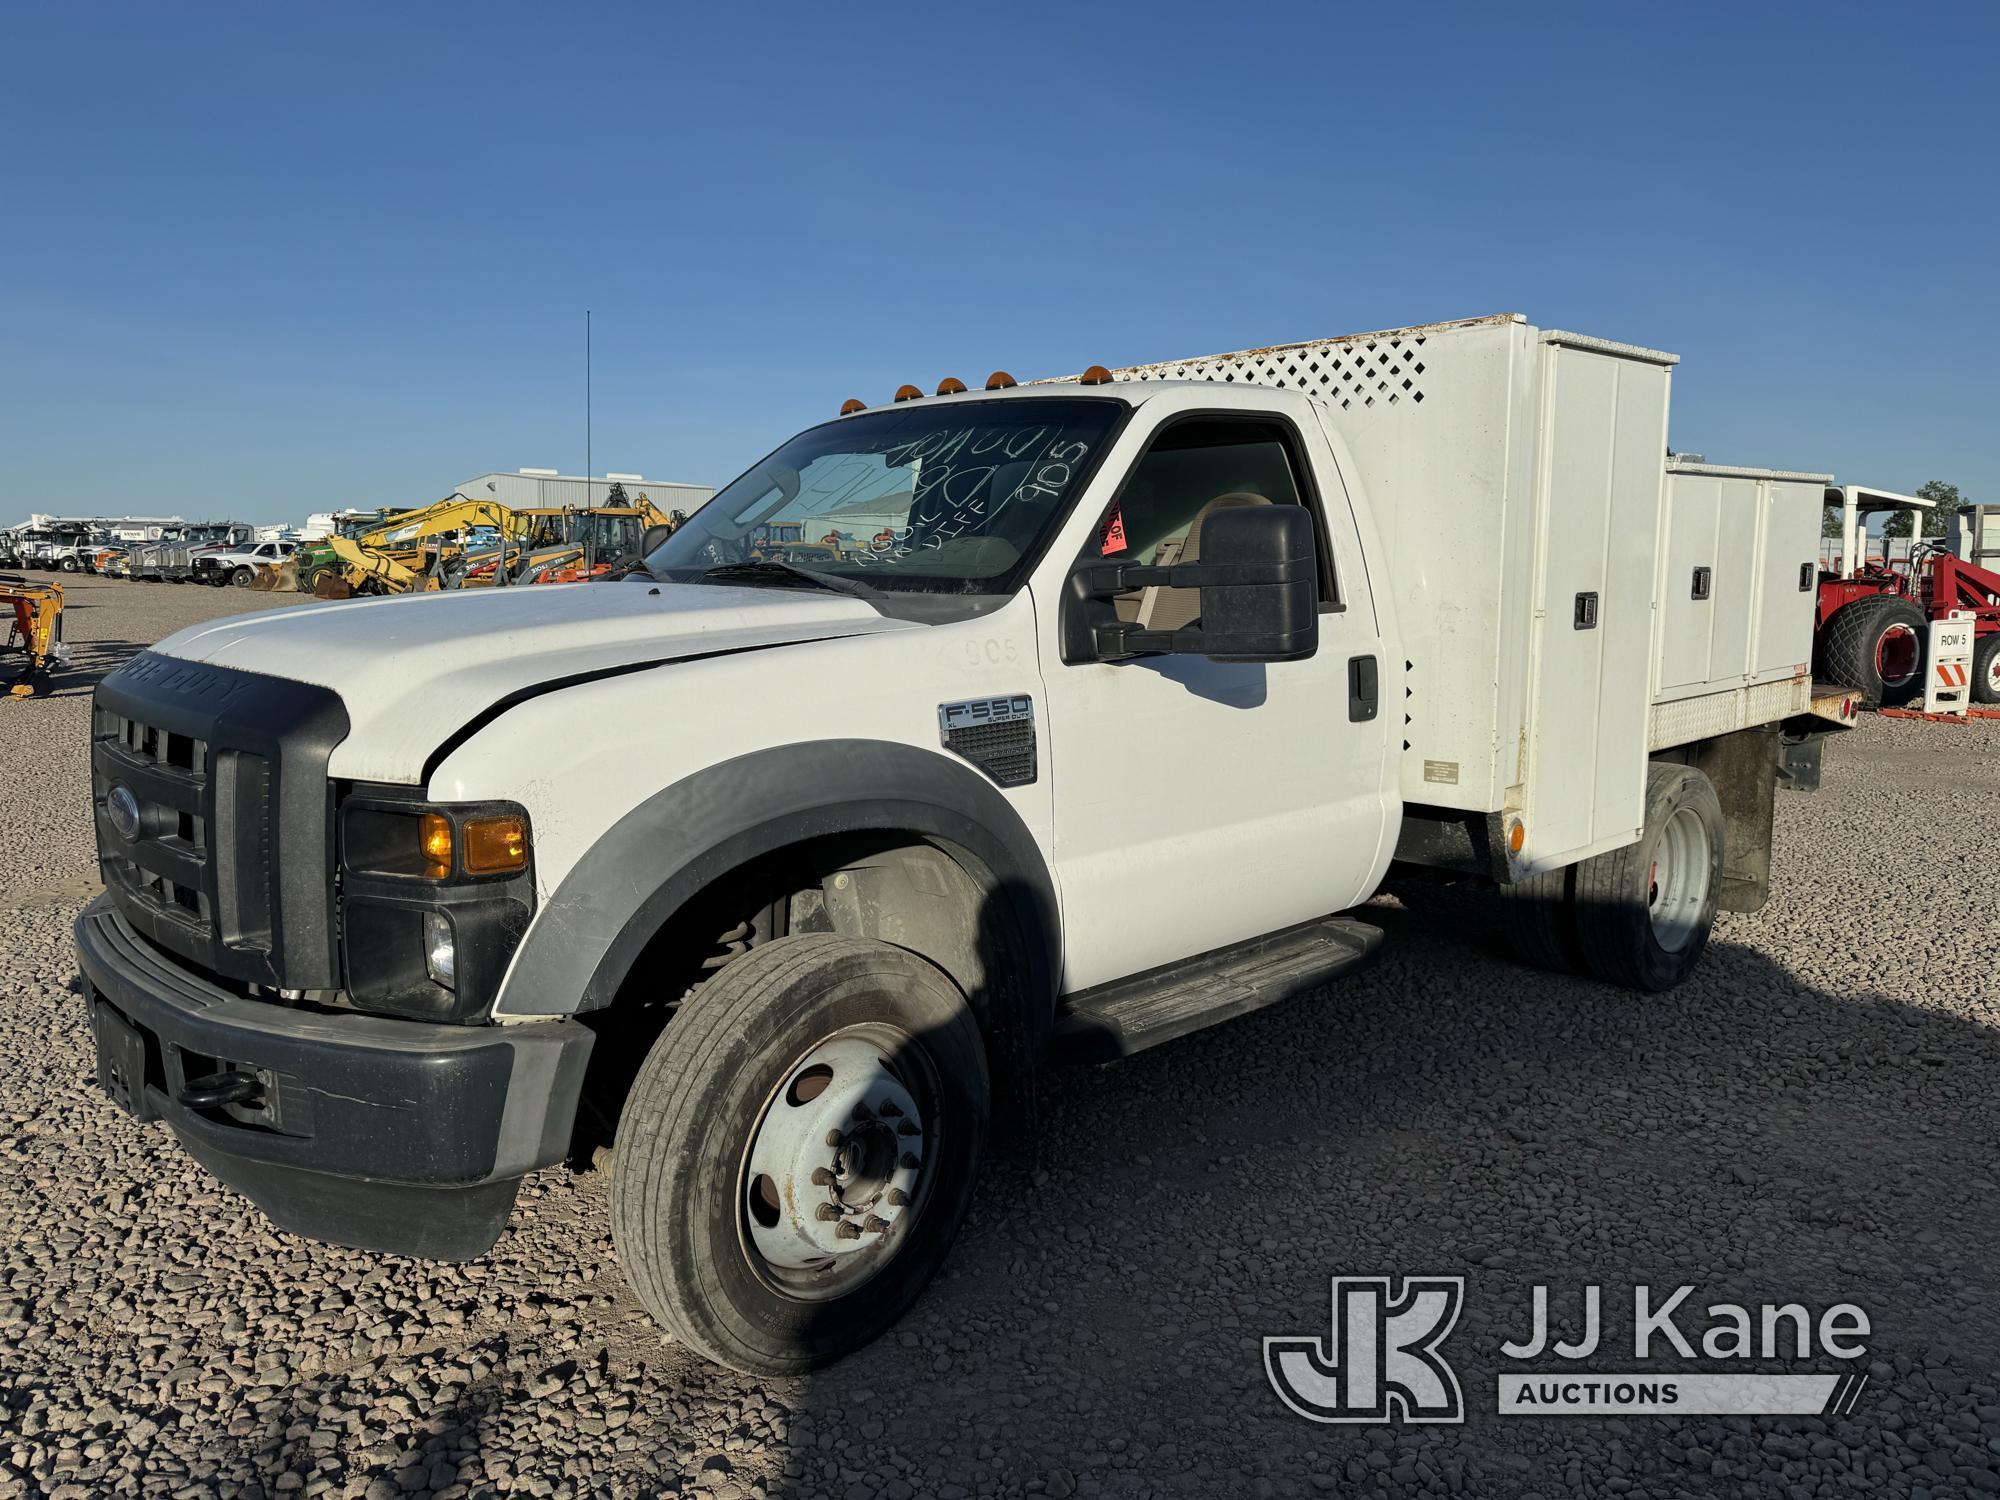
x: 1098, y: 1327
x: 1100, y: 1322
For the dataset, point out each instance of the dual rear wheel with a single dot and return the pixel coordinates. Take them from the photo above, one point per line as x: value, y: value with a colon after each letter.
x: 1639, y: 916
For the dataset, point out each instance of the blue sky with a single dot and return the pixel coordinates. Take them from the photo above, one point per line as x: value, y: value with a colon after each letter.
x: 263, y: 260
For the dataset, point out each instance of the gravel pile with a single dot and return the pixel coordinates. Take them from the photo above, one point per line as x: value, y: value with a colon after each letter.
x: 1812, y: 1119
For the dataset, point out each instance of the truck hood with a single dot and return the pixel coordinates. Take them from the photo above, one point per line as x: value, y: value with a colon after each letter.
x: 413, y: 671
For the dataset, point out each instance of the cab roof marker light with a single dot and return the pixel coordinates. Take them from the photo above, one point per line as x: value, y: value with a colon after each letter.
x: 1095, y: 375
x: 908, y: 393
x: 852, y: 405
x: 1000, y: 380
x: 951, y: 385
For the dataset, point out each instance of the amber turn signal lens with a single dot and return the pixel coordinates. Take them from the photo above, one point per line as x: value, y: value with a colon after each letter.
x: 1517, y: 836
x: 494, y: 846
x: 1095, y: 375
x: 907, y: 393
x: 434, y: 838
x: 852, y: 405
x: 951, y: 385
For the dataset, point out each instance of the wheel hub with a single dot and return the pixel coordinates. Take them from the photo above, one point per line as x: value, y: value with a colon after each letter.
x: 1677, y: 885
x: 835, y: 1160
x: 1896, y: 655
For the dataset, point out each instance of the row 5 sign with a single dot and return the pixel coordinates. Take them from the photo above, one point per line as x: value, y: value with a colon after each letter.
x: 1948, y: 673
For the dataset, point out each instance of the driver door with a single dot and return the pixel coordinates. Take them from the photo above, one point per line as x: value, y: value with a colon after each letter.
x: 1197, y: 803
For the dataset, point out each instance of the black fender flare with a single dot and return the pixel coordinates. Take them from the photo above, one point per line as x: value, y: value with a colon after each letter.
x: 669, y: 848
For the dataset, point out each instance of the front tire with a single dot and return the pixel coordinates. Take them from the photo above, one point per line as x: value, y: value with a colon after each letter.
x: 241, y: 578
x: 798, y: 1151
x: 1986, y: 669
x: 1644, y: 912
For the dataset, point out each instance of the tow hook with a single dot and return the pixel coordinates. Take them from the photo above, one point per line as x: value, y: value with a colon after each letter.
x: 214, y: 1090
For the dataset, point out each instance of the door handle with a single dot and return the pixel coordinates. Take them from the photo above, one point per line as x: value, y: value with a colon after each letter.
x: 1364, y: 693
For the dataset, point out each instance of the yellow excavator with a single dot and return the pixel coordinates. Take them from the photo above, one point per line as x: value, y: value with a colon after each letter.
x: 37, y: 631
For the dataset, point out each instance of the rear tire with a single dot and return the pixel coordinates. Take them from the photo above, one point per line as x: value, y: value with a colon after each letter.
x: 1644, y: 912
x: 1538, y: 915
x: 1986, y: 669
x: 1876, y: 647
x: 728, y: 1240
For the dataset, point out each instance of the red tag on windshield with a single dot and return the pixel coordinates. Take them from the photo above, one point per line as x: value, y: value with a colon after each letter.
x: 1111, y: 537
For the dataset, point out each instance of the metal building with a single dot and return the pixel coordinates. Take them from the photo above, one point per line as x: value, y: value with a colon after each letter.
x: 533, y: 489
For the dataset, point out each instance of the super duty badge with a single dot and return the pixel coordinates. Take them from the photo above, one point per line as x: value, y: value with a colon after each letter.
x: 995, y: 734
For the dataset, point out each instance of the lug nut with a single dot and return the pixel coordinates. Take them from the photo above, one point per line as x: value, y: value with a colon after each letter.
x: 845, y: 1230
x: 833, y: 1137
x: 911, y: 1160
x: 826, y: 1213
x: 889, y: 1111
x: 897, y: 1198
x: 908, y: 1127
x: 861, y: 1110
x: 874, y: 1225
x: 822, y: 1177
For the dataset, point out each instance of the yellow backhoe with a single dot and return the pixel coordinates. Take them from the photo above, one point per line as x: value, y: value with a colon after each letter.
x: 397, y: 554
x: 569, y: 546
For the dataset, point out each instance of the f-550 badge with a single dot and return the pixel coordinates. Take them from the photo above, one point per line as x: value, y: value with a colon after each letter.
x: 995, y: 734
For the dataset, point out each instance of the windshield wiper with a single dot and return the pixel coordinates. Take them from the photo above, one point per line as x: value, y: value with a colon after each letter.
x: 771, y: 568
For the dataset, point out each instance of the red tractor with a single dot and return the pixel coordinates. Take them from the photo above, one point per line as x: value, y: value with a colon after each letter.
x: 1874, y: 617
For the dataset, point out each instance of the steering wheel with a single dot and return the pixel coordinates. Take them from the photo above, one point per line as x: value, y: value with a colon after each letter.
x: 714, y: 553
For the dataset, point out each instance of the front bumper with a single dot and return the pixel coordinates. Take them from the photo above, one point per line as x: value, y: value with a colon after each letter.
x: 367, y: 1131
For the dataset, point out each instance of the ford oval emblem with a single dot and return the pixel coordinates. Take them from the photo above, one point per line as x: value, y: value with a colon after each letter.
x: 123, y: 808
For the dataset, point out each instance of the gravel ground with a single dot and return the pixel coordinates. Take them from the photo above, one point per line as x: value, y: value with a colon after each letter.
x: 1813, y: 1119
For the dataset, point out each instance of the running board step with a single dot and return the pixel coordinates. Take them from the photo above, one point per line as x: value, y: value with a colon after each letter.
x: 1130, y: 1015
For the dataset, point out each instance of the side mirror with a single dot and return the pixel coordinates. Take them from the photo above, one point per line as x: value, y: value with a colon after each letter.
x: 1259, y: 581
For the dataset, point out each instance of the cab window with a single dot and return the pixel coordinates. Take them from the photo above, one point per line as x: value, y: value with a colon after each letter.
x: 1193, y: 469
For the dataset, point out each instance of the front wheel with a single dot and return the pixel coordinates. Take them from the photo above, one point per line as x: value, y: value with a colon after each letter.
x: 241, y: 578
x: 798, y: 1151
x: 1643, y: 912
x: 70, y: 565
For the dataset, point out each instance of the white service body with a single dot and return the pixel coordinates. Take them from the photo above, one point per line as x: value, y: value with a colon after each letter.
x: 1475, y: 481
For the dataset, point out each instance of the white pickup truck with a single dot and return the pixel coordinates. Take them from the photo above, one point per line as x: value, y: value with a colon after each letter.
x: 1068, y: 718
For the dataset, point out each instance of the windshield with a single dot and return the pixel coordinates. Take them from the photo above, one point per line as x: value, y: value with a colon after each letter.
x: 954, y: 499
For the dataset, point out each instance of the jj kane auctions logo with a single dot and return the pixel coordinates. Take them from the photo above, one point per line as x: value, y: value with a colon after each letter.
x: 1380, y: 1359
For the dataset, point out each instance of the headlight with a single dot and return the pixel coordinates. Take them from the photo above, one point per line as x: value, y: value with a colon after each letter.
x: 482, y: 839
x: 434, y: 897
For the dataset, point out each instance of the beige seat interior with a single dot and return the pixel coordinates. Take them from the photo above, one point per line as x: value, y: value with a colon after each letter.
x: 1170, y: 609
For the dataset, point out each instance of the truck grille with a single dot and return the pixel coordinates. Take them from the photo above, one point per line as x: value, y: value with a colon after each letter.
x: 166, y: 866
x: 214, y: 816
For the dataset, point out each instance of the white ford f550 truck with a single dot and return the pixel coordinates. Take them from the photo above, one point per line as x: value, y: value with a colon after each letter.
x: 957, y: 736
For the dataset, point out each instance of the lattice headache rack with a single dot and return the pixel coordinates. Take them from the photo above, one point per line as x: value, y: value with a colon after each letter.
x: 1357, y: 371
